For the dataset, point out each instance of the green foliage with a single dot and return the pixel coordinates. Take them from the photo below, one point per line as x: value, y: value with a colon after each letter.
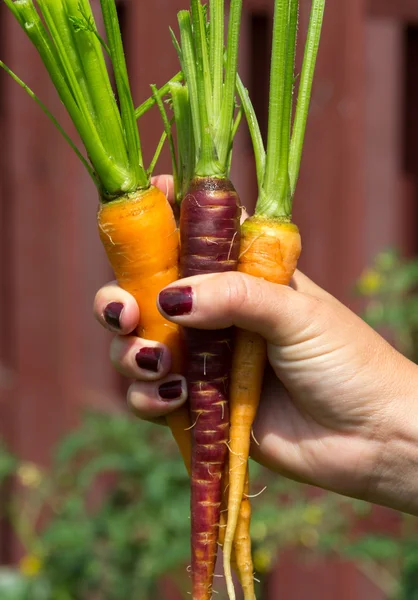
x: 117, y: 500
x: 391, y: 288
x: 8, y: 463
x: 111, y: 515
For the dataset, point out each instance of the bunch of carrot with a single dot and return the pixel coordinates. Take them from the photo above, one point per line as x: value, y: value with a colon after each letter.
x: 139, y: 232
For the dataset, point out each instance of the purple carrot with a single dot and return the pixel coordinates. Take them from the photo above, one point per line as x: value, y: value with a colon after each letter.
x: 210, y: 241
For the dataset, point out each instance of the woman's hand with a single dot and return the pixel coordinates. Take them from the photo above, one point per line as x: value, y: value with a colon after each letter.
x: 337, y: 409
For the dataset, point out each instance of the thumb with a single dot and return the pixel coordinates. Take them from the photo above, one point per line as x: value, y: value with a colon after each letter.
x: 277, y: 312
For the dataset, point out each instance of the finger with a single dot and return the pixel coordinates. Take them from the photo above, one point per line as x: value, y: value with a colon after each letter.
x: 301, y: 283
x: 140, y: 359
x: 225, y: 299
x: 244, y: 215
x: 166, y: 185
x: 116, y: 309
x: 151, y: 400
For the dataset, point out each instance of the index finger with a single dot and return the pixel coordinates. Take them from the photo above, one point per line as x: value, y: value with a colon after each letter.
x: 166, y: 185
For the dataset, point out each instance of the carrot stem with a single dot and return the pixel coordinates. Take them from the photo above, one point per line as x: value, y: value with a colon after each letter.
x: 75, y: 63
x: 163, y: 91
x: 51, y: 117
x: 255, y: 133
x: 207, y: 163
x: 157, y: 153
x: 217, y: 53
x: 96, y: 82
x: 223, y: 138
x: 167, y: 129
x: 271, y: 200
x: 283, y: 179
x: 305, y: 90
x: 234, y: 131
x: 189, y: 70
x: 202, y: 62
x: 111, y: 22
x: 85, y: 22
x: 185, y: 142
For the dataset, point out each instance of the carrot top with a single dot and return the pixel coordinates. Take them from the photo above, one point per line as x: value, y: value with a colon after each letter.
x: 278, y: 166
x: 211, y: 86
x: 65, y: 34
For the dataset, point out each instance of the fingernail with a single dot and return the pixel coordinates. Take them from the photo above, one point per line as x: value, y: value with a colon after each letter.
x: 176, y: 301
x: 149, y: 359
x: 171, y: 390
x: 112, y: 314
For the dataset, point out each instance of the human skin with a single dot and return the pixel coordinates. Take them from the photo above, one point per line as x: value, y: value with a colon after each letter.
x: 339, y: 407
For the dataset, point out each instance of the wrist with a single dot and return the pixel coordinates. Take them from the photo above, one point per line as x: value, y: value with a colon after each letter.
x: 395, y: 480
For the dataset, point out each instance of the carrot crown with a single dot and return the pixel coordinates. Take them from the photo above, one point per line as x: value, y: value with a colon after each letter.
x: 278, y: 167
x: 66, y: 37
x: 211, y: 87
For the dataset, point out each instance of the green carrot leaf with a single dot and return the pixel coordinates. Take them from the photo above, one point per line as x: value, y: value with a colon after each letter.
x: 53, y: 120
x: 276, y: 101
x: 255, y: 133
x: 190, y: 72
x: 110, y: 173
x: 305, y: 90
x: 163, y: 91
x: 167, y: 129
x: 86, y: 23
x: 216, y: 33
x: 157, y: 153
x: 114, y: 37
x: 283, y: 174
x: 185, y: 140
x: 223, y: 133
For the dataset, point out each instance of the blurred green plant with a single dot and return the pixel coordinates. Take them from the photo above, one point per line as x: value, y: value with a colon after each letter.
x: 390, y: 287
x: 110, y: 518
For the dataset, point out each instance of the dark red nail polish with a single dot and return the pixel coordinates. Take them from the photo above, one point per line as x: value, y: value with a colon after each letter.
x: 176, y: 301
x: 112, y: 314
x: 149, y: 359
x: 170, y: 390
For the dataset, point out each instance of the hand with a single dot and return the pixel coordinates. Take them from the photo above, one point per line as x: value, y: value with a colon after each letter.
x: 334, y: 402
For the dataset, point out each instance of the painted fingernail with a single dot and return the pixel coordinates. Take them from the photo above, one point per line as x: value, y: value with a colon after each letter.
x: 112, y: 314
x: 149, y: 359
x: 171, y: 390
x: 176, y: 301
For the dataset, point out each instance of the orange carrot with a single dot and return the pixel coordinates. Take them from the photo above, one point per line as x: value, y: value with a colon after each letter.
x: 241, y: 559
x: 141, y: 240
x: 270, y: 249
x: 136, y: 222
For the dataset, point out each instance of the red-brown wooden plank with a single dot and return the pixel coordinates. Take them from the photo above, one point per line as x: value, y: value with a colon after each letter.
x: 320, y: 579
x: 329, y: 206
x: 45, y: 259
x: 385, y: 89
x: 400, y: 9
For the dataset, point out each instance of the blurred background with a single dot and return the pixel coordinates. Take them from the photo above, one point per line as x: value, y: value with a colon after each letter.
x: 94, y: 504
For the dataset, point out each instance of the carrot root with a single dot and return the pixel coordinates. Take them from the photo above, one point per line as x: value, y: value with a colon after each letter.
x: 210, y: 239
x: 270, y: 249
x: 140, y: 236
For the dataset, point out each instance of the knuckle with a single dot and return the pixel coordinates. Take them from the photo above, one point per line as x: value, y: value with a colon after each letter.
x: 238, y: 292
